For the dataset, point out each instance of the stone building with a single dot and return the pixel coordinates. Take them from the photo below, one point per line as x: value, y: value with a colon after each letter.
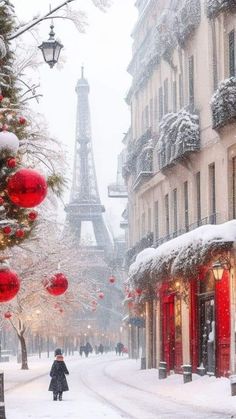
x: 181, y: 178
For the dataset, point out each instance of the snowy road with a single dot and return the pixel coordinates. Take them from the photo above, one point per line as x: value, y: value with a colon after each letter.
x: 96, y: 391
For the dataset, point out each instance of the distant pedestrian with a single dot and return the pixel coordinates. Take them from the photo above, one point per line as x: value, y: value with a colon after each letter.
x: 88, y: 349
x: 101, y: 348
x: 58, y: 382
x: 119, y: 348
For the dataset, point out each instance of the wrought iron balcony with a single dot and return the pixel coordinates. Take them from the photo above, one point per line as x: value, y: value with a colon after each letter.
x: 214, y: 218
x: 215, y: 7
x: 135, y: 148
x: 146, y: 241
x: 117, y: 191
x: 179, y: 136
x: 144, y: 166
x: 223, y: 104
x: 187, y: 20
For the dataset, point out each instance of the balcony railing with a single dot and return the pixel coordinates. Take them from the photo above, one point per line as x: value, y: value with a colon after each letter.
x: 146, y: 241
x: 135, y: 149
x: 187, y: 20
x: 179, y: 136
x: 215, y: 7
x: 144, y: 166
x: 223, y: 104
x: 211, y: 219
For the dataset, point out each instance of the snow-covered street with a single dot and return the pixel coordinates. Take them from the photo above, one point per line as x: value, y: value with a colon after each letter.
x: 112, y: 387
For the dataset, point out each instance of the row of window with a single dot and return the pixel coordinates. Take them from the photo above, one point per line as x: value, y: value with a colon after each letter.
x: 160, y: 106
x: 170, y: 217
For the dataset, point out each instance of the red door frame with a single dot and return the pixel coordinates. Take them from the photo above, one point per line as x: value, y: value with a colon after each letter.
x: 222, y: 318
x: 171, y: 349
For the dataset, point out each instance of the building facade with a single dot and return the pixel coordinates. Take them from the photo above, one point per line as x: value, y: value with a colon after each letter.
x: 181, y: 175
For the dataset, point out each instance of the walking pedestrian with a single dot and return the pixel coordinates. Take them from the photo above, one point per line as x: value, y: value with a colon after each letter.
x: 58, y: 382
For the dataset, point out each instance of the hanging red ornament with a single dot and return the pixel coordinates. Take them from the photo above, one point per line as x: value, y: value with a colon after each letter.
x: 20, y: 233
x: 33, y: 215
x: 6, y: 230
x: 1, y: 201
x: 112, y: 279
x: 27, y: 188
x: 101, y: 295
x: 9, y: 285
x: 11, y: 163
x: 138, y: 291
x: 1, y: 97
x: 56, y: 285
x: 7, y: 315
x: 22, y: 120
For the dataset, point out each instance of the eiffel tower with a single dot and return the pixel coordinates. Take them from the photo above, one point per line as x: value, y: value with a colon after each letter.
x: 85, y: 204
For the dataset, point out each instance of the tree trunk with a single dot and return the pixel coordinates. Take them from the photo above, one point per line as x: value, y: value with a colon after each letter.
x: 24, y: 360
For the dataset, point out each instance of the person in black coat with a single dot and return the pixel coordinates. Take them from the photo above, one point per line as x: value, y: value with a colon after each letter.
x: 58, y: 382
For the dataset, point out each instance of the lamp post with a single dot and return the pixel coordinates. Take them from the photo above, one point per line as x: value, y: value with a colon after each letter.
x: 51, y: 49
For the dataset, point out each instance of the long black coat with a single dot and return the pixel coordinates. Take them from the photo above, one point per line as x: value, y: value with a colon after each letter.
x: 58, y: 382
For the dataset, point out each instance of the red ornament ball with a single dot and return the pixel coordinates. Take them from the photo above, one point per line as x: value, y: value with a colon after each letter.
x: 7, y: 315
x: 20, y: 233
x: 33, y: 215
x: 27, y: 188
x: 9, y: 285
x: 22, y: 120
x: 57, y: 285
x: 101, y: 295
x: 112, y: 279
x: 6, y: 230
x: 1, y: 201
x: 11, y: 163
x: 1, y: 97
x: 138, y: 291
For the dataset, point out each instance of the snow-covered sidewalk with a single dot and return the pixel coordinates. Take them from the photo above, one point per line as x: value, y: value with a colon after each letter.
x: 205, y: 392
x: 113, y: 387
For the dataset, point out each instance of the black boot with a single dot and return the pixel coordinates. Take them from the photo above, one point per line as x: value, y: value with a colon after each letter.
x: 60, y: 396
x: 54, y: 396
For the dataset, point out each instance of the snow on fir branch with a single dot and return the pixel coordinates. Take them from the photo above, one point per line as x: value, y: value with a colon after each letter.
x: 182, y: 256
x: 179, y: 135
x: 223, y: 104
x: 214, y: 7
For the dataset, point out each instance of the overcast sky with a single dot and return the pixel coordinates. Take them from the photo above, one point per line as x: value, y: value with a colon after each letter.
x: 105, y: 51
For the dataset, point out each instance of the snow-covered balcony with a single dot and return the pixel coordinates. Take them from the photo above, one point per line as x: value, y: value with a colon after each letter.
x: 179, y: 137
x: 187, y: 20
x: 116, y: 190
x: 165, y: 37
x: 144, y: 165
x: 214, y: 7
x: 135, y: 148
x: 223, y: 104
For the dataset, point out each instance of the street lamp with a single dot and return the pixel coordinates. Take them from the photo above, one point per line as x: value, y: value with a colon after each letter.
x: 218, y: 268
x: 51, y: 49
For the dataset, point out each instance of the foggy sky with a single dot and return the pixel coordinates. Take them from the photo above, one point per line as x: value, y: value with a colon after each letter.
x: 105, y: 51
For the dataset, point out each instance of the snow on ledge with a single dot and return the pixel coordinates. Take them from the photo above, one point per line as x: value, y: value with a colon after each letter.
x: 202, y: 237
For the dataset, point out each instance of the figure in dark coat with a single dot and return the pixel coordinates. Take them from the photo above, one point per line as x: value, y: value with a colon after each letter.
x: 58, y: 382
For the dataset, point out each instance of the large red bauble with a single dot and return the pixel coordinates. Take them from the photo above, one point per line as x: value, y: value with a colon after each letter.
x: 57, y: 285
x: 9, y: 285
x: 27, y: 188
x: 112, y: 279
x: 139, y: 291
